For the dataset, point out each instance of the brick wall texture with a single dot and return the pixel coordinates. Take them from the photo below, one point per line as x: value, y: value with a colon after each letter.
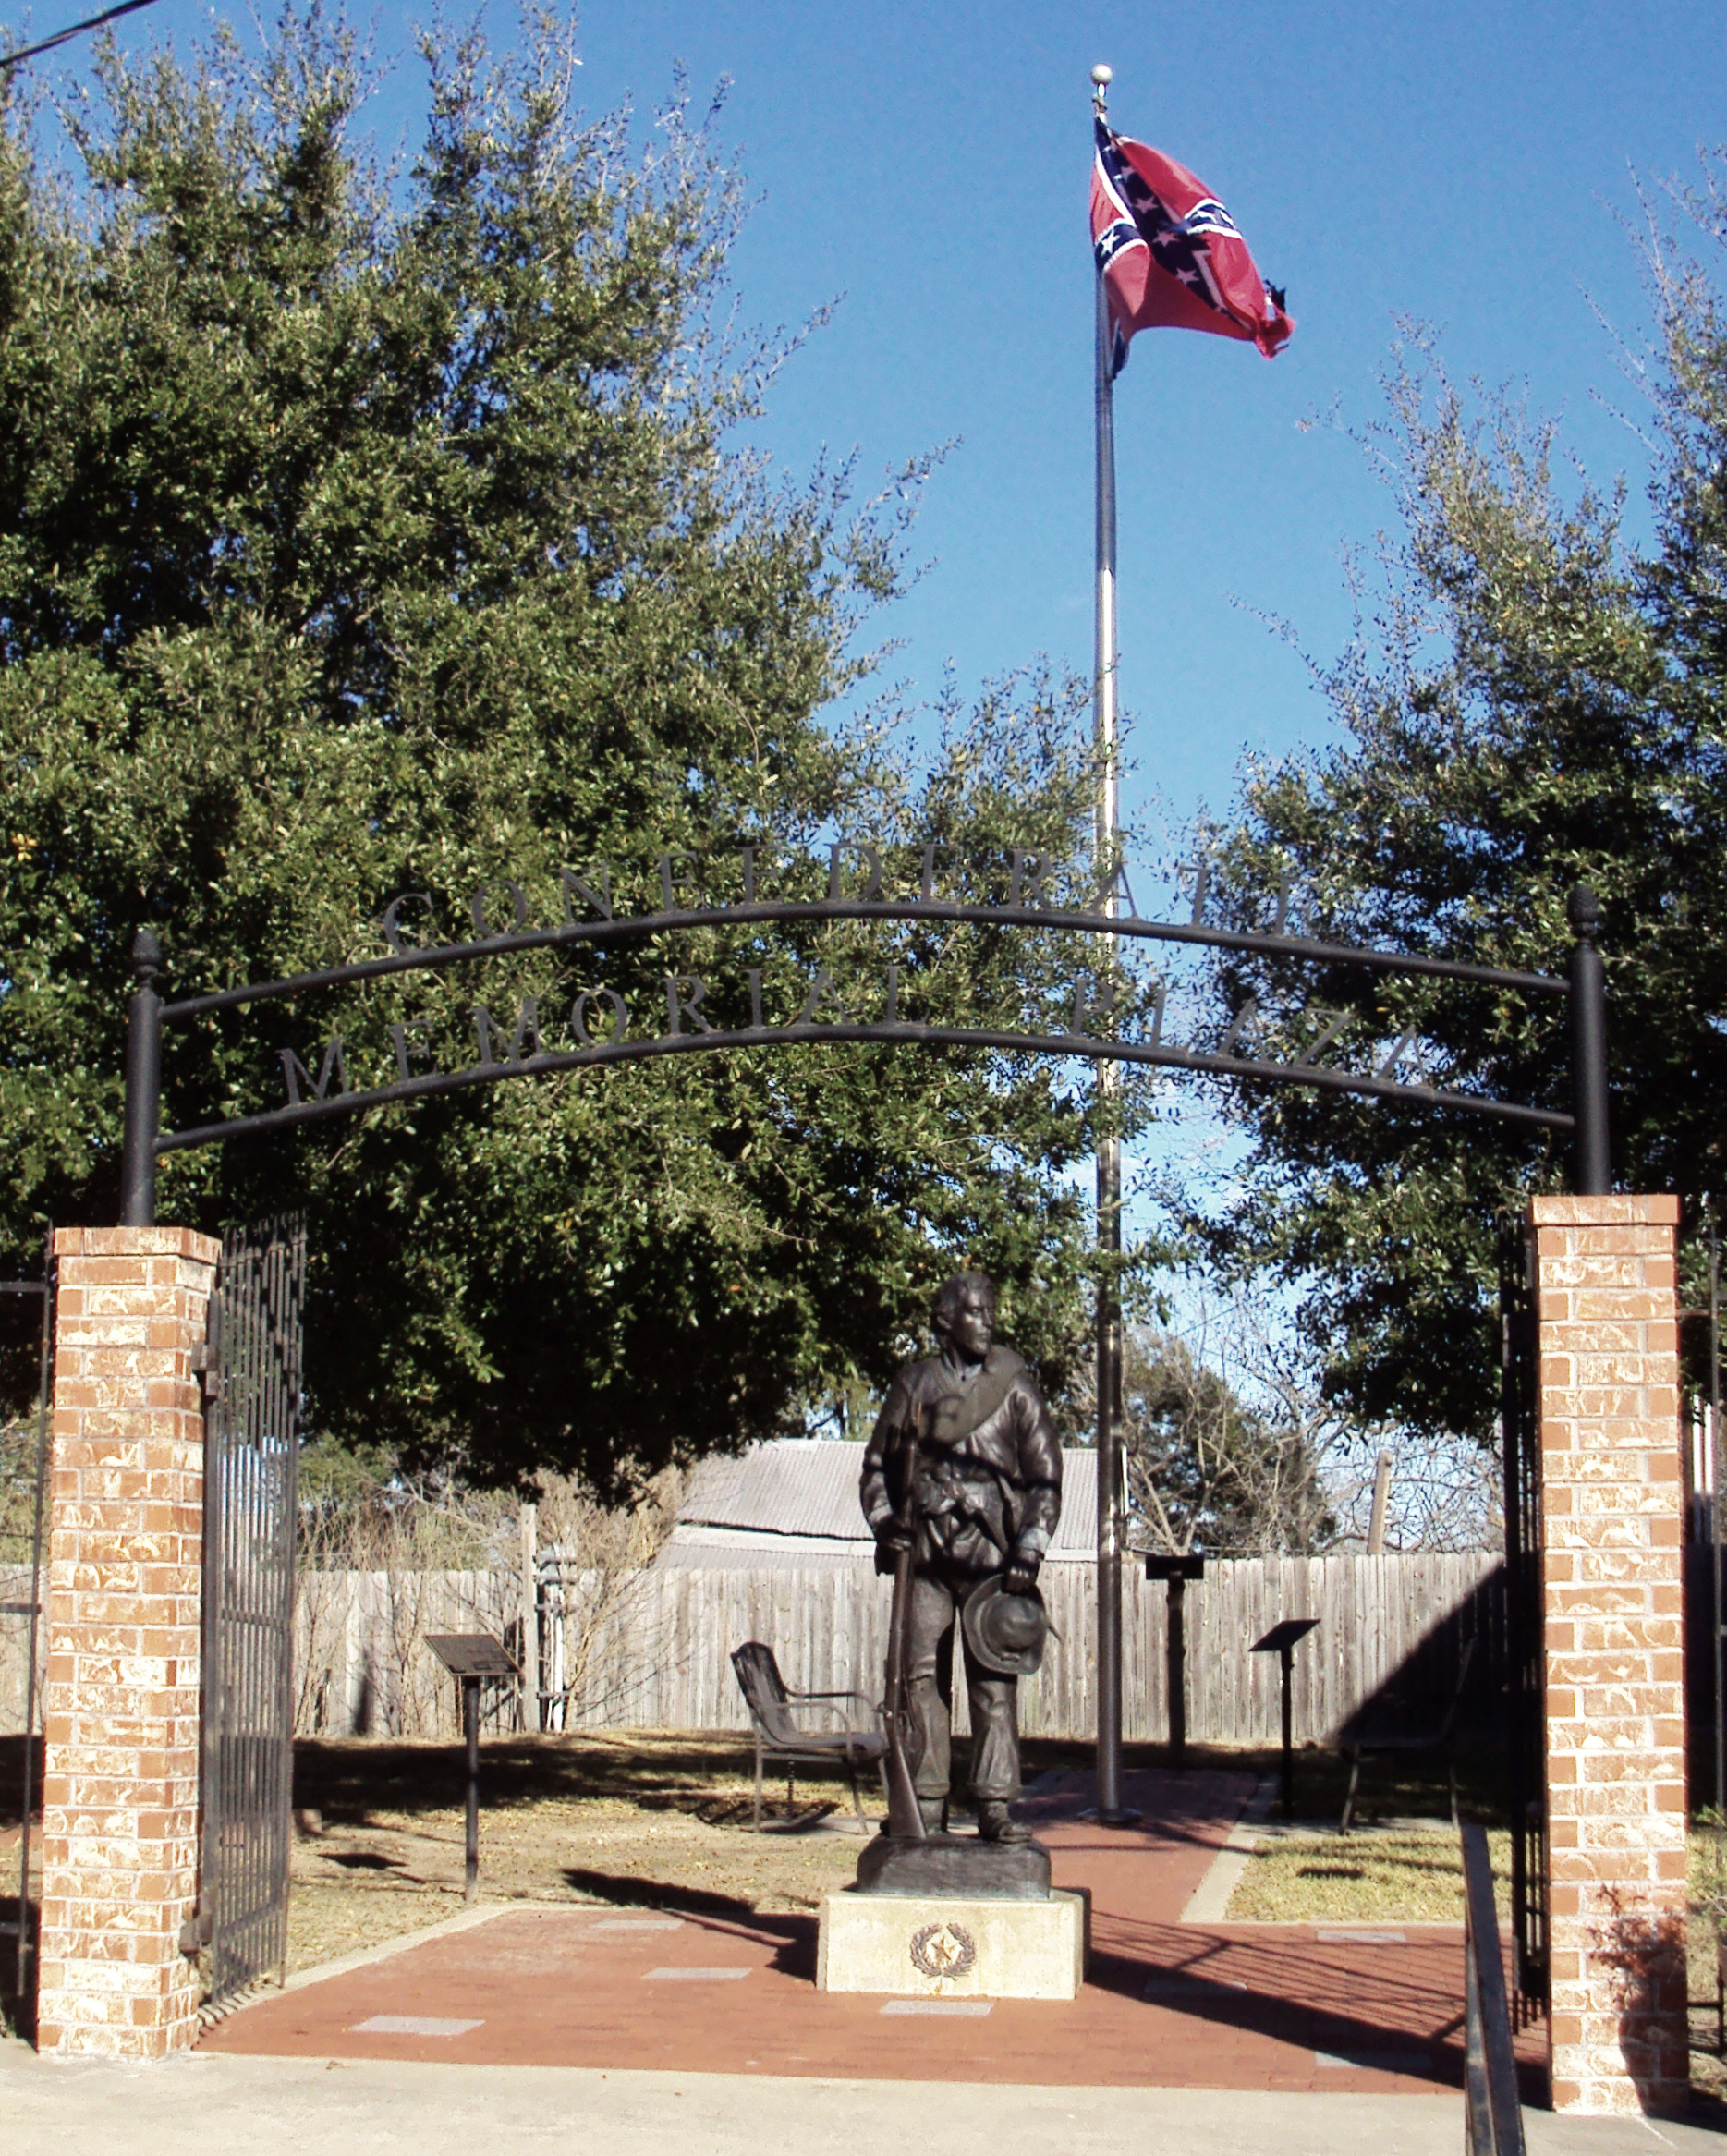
x: 1611, y: 1509
x: 121, y: 1700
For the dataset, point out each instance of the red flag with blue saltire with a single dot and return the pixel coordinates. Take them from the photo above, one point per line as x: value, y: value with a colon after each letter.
x: 1169, y: 255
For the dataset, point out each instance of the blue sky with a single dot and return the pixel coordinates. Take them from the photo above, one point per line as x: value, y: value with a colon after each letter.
x: 1467, y: 164
x: 927, y: 166
x: 1463, y: 164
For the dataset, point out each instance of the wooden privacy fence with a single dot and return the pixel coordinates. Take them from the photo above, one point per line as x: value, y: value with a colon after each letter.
x: 652, y: 1650
x: 362, y: 1667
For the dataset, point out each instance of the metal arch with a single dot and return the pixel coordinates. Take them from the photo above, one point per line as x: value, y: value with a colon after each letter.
x: 144, y: 1141
x: 598, y: 935
x: 1064, y: 1044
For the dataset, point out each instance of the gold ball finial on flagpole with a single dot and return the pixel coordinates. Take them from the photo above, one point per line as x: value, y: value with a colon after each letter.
x: 1101, y: 77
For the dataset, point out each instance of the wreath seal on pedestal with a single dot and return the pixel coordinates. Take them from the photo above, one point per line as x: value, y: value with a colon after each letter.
x: 942, y: 1950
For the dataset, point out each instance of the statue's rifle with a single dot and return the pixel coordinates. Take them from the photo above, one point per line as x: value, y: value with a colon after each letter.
x: 905, y: 1821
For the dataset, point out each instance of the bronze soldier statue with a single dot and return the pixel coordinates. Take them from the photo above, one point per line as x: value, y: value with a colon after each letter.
x: 962, y: 1487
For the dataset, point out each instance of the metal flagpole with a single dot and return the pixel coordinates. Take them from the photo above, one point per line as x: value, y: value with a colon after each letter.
x: 1110, y: 1810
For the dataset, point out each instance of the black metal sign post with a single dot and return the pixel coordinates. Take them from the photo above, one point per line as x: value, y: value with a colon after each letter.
x: 143, y: 1087
x: 1592, y: 1169
x: 471, y: 1733
x: 471, y: 1658
x: 1176, y: 1572
x: 1282, y: 1641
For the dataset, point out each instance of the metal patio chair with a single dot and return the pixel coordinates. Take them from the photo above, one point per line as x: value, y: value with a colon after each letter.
x: 773, y: 1707
x: 1386, y: 1743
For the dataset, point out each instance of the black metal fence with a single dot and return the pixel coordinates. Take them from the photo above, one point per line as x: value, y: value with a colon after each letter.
x: 1525, y: 1630
x: 251, y: 1423
x: 21, y: 1506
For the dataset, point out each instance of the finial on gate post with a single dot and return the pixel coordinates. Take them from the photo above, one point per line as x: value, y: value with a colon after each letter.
x: 1592, y: 1172
x: 143, y: 1087
x: 1101, y: 77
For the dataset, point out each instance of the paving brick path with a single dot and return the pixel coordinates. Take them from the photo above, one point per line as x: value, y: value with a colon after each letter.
x: 1165, y: 2004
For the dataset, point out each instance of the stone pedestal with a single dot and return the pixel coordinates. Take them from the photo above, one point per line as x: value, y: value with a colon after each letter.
x: 923, y: 1947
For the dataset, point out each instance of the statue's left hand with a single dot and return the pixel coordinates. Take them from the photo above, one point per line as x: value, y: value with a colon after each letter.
x: 1022, y: 1576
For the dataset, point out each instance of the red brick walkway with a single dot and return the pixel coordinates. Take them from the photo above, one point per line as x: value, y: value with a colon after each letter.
x: 1166, y: 2004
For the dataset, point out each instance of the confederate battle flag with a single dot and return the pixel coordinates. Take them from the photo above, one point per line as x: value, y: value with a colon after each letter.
x: 1169, y: 255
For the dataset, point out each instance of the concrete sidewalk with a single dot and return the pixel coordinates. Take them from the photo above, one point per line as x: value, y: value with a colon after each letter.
x: 314, y: 2107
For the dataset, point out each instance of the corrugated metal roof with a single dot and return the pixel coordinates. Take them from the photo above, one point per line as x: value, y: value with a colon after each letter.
x: 804, y: 1491
x: 786, y: 1486
x: 747, y: 1548
x: 1076, y: 1536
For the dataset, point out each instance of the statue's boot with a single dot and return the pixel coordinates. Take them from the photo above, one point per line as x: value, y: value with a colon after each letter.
x: 932, y: 1810
x: 993, y: 1824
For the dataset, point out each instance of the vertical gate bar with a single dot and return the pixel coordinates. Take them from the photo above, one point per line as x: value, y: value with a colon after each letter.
x: 1720, y: 1626
x: 1511, y: 1429
x: 254, y: 1493
x: 45, y: 1380
x: 257, y: 1437
x: 243, y: 1530
x: 239, y: 1526
x: 232, y: 1791
x: 237, y: 1645
x: 288, y: 1523
x: 250, y: 1526
x: 215, y: 1360
x: 236, y: 1657
x: 1521, y: 1437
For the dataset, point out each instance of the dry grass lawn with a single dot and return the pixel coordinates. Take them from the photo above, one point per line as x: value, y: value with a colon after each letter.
x: 1382, y: 1874
x: 664, y: 1822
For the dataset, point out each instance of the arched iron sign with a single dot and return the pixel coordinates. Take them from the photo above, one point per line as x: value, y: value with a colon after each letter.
x: 601, y: 1027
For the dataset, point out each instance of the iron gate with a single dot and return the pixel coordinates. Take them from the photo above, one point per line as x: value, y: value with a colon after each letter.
x: 25, y: 1473
x: 1526, y: 1719
x: 251, y: 1450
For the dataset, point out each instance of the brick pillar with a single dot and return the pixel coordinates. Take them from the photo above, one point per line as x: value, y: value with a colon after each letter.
x: 1612, y: 1510
x: 121, y: 1702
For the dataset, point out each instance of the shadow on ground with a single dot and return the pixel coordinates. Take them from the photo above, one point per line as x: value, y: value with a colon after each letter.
x: 349, y: 1779
x: 19, y: 2022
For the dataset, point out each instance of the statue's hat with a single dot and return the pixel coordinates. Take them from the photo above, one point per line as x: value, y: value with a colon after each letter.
x: 1006, y: 1632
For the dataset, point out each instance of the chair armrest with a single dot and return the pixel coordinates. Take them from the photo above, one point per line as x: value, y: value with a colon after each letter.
x: 859, y: 1699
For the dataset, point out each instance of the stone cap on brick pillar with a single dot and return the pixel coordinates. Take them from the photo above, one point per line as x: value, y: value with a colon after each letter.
x: 1604, y: 1212
x: 137, y: 1243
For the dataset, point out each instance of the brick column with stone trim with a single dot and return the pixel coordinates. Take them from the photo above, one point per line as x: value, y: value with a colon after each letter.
x: 1611, y: 1511
x: 121, y: 1698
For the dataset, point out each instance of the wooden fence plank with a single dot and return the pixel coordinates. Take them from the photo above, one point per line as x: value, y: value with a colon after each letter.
x: 654, y: 1648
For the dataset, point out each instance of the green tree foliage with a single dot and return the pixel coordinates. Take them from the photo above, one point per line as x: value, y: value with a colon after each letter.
x: 361, y: 537
x: 1528, y: 703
